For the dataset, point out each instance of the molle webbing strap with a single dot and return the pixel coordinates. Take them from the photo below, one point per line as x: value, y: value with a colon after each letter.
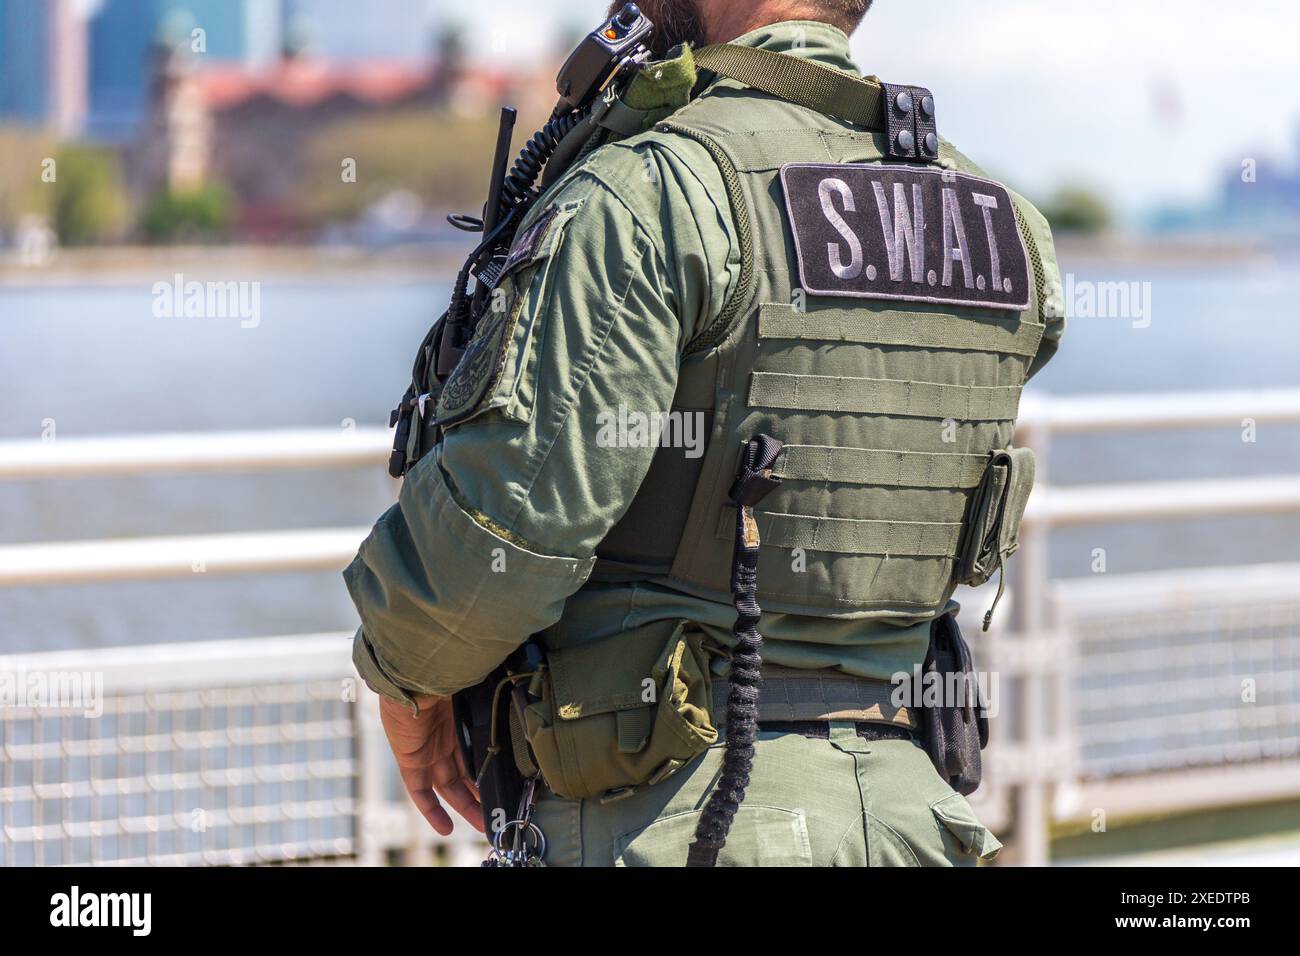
x: 790, y: 694
x: 896, y: 539
x: 753, y: 483
x: 880, y: 466
x: 882, y: 396
x: 622, y: 119
x: 917, y: 330
x: 803, y: 82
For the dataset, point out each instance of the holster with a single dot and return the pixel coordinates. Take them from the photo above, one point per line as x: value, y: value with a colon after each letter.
x: 501, y: 786
x: 955, y: 731
x: 477, y: 710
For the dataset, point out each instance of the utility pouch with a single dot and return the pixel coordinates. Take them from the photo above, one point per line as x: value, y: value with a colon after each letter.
x: 956, y: 729
x: 622, y: 712
x: 997, y: 508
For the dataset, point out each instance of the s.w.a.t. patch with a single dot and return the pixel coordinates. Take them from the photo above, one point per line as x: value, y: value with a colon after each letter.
x: 920, y: 234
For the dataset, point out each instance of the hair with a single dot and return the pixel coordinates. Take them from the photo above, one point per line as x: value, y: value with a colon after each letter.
x: 845, y: 14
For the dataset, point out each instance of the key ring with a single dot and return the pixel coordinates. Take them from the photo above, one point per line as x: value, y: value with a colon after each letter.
x: 524, y: 829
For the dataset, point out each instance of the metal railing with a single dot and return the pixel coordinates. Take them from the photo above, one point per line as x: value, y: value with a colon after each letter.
x: 223, y: 752
x: 256, y: 750
x: 1061, y: 656
x: 172, y: 755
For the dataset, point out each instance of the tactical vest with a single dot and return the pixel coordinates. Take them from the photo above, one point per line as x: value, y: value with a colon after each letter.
x: 896, y: 416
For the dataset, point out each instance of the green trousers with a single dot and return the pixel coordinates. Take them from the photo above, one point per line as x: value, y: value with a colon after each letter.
x: 845, y: 801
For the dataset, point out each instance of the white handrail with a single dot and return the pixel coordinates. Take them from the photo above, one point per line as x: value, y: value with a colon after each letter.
x: 1059, y: 505
x: 302, y: 448
x: 138, y: 668
x: 1180, y: 589
x: 326, y: 549
x: 272, y: 450
x: 1139, y: 411
x: 331, y: 549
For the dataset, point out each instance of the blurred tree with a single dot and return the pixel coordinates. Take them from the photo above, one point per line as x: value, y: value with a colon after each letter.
x: 88, y: 203
x: 1077, y: 209
x: 442, y: 157
x: 202, y: 215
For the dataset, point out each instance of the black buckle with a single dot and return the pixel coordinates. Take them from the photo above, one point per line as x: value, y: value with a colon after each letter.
x: 755, y: 479
x: 400, y: 418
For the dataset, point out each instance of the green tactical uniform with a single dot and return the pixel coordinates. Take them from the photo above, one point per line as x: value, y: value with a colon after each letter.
x: 657, y: 274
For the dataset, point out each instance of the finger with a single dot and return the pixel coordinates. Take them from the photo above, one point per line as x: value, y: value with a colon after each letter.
x: 457, y: 796
x: 418, y: 783
x: 456, y: 790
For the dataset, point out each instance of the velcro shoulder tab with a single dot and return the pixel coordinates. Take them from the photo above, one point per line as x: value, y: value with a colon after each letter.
x: 528, y: 244
x: 487, y: 373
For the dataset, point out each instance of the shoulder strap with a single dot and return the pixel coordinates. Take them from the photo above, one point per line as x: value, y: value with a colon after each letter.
x: 833, y: 92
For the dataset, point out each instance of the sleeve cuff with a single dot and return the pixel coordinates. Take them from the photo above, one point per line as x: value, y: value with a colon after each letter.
x: 372, y: 672
x: 443, y: 599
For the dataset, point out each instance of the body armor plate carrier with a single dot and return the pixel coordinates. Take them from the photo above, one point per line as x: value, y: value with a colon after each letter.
x: 894, y: 404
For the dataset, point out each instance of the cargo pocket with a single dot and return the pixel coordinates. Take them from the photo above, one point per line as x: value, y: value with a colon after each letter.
x: 494, y: 372
x: 622, y: 712
x: 997, y: 508
x: 760, y: 836
x: 965, y: 839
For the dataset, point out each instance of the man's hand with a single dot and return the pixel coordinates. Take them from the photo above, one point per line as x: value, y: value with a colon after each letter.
x: 430, y: 761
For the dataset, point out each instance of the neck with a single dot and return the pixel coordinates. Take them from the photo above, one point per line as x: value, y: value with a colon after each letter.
x: 725, y: 20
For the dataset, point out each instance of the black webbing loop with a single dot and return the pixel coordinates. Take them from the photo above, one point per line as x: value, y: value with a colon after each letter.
x: 855, y: 99
x: 754, y: 481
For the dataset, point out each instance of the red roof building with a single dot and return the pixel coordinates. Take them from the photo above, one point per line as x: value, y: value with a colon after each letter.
x: 248, y: 127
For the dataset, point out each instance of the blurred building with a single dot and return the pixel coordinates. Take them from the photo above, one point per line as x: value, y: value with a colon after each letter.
x: 43, y: 63
x: 122, y: 34
x: 171, y: 153
x: 1256, y: 197
x: 247, y: 126
x: 193, y: 92
x: 249, y: 33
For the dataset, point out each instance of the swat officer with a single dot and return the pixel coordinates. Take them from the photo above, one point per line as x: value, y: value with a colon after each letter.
x: 762, y: 258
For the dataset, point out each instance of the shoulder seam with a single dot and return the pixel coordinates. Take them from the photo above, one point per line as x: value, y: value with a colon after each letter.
x: 611, y: 187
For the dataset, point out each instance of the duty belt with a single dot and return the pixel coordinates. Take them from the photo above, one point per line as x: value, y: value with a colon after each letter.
x: 791, y: 694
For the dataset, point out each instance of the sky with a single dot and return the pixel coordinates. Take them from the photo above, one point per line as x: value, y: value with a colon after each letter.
x: 1148, y: 101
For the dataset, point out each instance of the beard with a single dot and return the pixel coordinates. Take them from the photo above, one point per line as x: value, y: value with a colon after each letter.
x: 676, y: 22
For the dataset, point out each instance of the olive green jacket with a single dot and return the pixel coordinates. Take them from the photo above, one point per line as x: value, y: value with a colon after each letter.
x: 493, y: 536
